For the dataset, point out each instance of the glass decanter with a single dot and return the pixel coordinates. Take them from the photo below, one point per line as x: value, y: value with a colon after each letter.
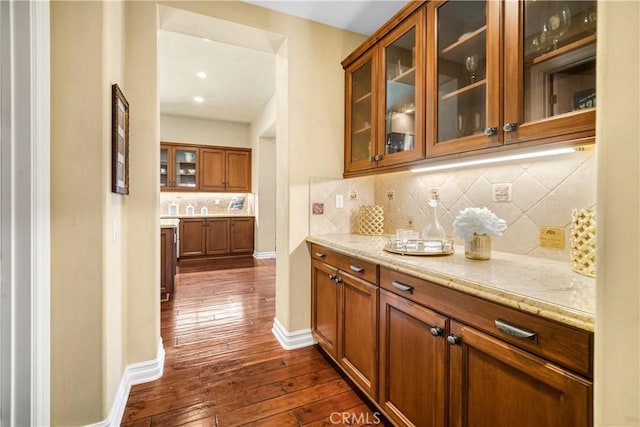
x: 433, y: 233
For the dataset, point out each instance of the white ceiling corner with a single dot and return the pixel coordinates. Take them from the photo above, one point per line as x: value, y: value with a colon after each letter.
x: 240, y: 60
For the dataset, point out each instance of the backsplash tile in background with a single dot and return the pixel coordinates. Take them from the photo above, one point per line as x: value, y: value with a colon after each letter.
x: 544, y: 191
x: 208, y: 200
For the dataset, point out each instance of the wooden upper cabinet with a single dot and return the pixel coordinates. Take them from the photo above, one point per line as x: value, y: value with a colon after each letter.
x: 204, y: 168
x: 401, y: 100
x: 179, y: 166
x: 225, y: 170
x: 445, y: 78
x: 212, y: 174
x: 528, y: 81
x: 550, y: 70
x: 463, y: 98
x: 384, y: 98
x: 360, y: 113
x: 238, y: 165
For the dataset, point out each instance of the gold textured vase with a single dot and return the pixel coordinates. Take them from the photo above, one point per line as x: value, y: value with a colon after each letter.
x: 479, y: 247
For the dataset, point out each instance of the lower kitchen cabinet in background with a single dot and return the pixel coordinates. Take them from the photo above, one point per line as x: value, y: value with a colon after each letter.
x: 216, y: 236
x: 167, y: 261
x: 431, y: 356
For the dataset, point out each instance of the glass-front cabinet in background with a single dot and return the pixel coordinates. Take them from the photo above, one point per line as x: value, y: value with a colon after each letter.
x: 385, y: 100
x: 464, y: 95
x: 178, y: 168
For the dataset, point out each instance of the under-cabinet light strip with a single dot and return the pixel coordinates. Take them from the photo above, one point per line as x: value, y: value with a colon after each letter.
x: 499, y: 159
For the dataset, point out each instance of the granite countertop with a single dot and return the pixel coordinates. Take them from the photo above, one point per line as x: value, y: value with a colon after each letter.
x: 540, y: 286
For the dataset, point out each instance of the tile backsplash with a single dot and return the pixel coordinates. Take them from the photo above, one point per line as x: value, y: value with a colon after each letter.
x: 544, y: 191
x: 323, y: 191
x: 216, y: 203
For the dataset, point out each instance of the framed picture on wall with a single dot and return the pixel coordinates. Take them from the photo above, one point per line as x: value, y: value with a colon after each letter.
x: 119, y: 141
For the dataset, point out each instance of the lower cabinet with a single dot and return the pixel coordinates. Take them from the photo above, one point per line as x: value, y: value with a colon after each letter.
x: 216, y: 236
x: 493, y: 383
x: 344, y: 318
x: 431, y: 356
x: 413, y: 357
x: 167, y: 261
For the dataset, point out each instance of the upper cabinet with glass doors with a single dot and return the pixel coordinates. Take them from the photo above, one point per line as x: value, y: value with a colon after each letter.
x: 384, y: 111
x: 463, y: 98
x: 466, y: 77
x: 550, y: 84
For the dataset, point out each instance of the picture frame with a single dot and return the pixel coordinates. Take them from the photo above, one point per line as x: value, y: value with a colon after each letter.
x: 119, y: 141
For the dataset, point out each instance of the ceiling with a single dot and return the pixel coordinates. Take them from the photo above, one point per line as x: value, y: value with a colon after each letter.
x: 238, y: 61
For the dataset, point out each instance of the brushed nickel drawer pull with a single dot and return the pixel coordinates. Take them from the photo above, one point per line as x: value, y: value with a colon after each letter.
x: 320, y: 255
x: 516, y: 331
x: 399, y: 286
x: 356, y: 268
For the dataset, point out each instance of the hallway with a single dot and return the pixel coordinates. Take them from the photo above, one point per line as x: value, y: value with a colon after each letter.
x: 224, y: 367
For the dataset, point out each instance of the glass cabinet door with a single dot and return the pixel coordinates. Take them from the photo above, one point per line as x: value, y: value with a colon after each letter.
x: 558, y: 63
x: 186, y: 168
x: 164, y: 167
x: 359, y: 114
x: 402, y: 56
x: 465, y: 97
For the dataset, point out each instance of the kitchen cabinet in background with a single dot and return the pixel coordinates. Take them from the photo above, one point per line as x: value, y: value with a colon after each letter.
x: 204, y: 168
x: 216, y: 236
x: 225, y: 170
x: 168, y: 258
x: 179, y: 166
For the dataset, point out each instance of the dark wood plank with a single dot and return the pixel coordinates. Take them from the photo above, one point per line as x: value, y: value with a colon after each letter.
x: 223, y: 366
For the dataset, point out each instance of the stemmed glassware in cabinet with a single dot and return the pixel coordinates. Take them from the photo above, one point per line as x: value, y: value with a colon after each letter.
x: 471, y: 64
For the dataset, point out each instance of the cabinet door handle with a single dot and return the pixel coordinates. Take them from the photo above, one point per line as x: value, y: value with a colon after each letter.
x: 338, y: 279
x: 491, y: 131
x: 378, y: 157
x: 356, y: 268
x: 510, y: 127
x: 516, y: 331
x: 454, y: 339
x: 332, y: 277
x: 320, y: 255
x: 399, y: 286
x: 436, y: 331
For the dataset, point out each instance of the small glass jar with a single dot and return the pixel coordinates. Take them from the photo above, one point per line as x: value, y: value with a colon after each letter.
x: 479, y: 247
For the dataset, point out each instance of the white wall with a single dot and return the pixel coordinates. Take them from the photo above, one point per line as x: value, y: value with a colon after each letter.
x: 617, y: 334
x: 264, y: 167
x: 191, y: 130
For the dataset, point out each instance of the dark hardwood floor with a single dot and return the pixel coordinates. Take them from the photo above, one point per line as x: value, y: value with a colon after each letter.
x: 223, y: 366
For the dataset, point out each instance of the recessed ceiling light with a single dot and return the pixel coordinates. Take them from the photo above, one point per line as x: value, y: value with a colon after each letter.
x: 198, y: 99
x: 201, y: 74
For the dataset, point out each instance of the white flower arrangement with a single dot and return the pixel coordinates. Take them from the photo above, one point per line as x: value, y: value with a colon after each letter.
x: 472, y: 221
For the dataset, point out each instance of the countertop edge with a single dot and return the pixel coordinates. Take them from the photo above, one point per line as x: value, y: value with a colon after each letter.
x: 546, y: 309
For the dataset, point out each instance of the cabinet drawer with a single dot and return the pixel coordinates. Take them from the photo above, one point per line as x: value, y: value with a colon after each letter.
x: 569, y: 347
x: 354, y: 266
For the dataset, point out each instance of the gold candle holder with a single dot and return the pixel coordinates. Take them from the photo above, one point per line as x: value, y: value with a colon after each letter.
x: 479, y: 247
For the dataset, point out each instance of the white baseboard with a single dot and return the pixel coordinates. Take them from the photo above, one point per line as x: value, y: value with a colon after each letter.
x: 136, y: 373
x: 264, y: 255
x: 291, y: 340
